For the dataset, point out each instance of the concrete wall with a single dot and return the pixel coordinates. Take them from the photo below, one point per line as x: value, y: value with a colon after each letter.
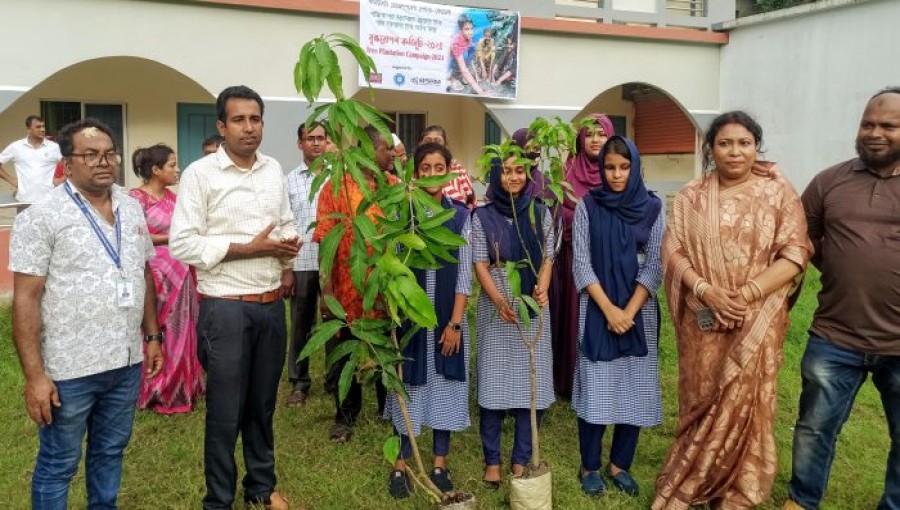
x: 806, y: 73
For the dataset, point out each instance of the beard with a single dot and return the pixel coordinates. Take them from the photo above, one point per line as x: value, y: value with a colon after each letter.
x: 875, y: 160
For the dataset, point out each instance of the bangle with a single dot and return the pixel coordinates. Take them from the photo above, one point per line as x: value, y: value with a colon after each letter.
x: 745, y: 290
x: 699, y: 287
x: 158, y: 337
x: 702, y: 288
x: 757, y: 290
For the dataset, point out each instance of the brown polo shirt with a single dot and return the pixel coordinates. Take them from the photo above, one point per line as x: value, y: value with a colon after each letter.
x: 854, y: 223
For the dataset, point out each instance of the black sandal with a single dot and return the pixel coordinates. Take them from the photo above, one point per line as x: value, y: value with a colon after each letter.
x: 491, y: 484
x: 341, y: 433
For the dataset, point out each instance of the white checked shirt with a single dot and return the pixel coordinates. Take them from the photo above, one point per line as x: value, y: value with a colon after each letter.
x: 34, y: 167
x: 83, y: 331
x: 219, y: 204
x: 299, y: 184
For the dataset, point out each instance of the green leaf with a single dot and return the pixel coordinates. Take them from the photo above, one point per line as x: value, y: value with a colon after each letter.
x: 393, y: 383
x: 515, y: 280
x: 523, y: 314
x: 391, y: 449
x: 347, y: 375
x: 438, y: 219
x: 323, y: 332
x: 392, y: 265
x: 434, y: 181
x: 370, y: 337
x: 334, y: 306
x: 358, y: 264
x: 298, y: 77
x: 328, y: 248
x: 404, y: 340
x: 370, y: 293
x: 340, y: 351
x: 365, y: 227
x: 418, y: 306
x: 445, y: 237
x: 531, y: 303
x: 372, y: 324
x: 412, y: 241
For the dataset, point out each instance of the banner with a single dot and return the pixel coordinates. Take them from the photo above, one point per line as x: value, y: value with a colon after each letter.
x: 441, y: 49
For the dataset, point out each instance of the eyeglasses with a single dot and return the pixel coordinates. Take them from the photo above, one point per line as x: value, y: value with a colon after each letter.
x: 94, y: 159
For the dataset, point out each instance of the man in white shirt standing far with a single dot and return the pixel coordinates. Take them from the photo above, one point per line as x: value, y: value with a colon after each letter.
x: 312, y: 142
x: 35, y: 158
x: 234, y: 224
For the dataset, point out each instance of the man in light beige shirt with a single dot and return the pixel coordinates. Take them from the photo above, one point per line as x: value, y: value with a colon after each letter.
x: 233, y: 223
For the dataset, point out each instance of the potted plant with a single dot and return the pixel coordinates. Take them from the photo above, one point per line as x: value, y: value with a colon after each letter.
x: 407, y: 234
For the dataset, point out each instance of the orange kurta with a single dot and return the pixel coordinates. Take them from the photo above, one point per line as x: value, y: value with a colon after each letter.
x: 724, y: 451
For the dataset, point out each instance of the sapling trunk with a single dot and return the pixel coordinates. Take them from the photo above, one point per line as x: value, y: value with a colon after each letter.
x: 425, y: 481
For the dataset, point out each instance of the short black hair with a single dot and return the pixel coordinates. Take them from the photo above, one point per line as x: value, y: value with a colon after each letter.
x: 31, y: 118
x: 463, y: 21
x: 68, y: 132
x: 732, y: 117
x: 214, y: 139
x: 144, y: 159
x: 312, y: 126
x: 431, y: 148
x: 886, y: 90
x: 236, y: 92
x: 617, y: 146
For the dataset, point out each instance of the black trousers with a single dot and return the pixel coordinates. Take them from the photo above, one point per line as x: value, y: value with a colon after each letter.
x: 241, y: 346
x: 303, y: 319
x: 347, y: 411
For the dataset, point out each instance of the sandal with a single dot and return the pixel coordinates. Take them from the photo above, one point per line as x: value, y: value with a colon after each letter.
x: 490, y: 484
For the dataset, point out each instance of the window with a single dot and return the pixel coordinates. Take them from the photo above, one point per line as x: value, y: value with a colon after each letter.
x: 408, y: 126
x: 57, y: 114
x: 492, y: 132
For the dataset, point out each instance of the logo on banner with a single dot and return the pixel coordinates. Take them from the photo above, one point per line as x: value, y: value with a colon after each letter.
x: 399, y: 79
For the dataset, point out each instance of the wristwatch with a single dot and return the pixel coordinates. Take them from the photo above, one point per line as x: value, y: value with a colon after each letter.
x: 158, y: 337
x: 455, y: 326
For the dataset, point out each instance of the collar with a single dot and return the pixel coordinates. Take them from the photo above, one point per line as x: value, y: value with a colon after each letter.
x: 45, y: 142
x: 857, y: 165
x: 226, y: 162
x: 115, y: 194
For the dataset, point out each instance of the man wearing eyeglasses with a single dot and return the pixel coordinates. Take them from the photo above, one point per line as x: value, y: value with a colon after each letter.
x: 83, y: 293
x: 35, y: 158
x: 312, y: 142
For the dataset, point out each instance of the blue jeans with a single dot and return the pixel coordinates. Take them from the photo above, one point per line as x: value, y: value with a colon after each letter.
x: 103, y: 406
x: 832, y: 376
x: 491, y: 428
x: 621, y: 452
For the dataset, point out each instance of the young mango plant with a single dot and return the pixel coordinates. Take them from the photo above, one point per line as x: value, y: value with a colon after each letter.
x: 396, y: 228
x: 553, y: 140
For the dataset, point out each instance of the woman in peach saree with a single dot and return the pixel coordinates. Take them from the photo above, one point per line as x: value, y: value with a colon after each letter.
x: 733, y: 249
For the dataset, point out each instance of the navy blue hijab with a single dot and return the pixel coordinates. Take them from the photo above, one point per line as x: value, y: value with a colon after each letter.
x: 502, y: 234
x: 619, y: 226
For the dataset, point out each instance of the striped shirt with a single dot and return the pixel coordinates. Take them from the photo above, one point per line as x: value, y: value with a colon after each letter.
x: 460, y: 188
x: 299, y: 184
x: 219, y: 204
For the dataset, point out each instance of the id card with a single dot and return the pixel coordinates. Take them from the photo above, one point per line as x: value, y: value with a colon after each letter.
x: 124, y: 293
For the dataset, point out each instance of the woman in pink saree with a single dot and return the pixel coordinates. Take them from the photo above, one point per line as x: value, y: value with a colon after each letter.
x: 180, y: 385
x: 735, y: 244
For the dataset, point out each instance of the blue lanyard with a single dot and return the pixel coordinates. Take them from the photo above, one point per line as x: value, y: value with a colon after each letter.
x: 113, y: 254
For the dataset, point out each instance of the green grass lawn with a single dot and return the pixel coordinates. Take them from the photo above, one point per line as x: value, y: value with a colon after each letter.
x: 164, y: 463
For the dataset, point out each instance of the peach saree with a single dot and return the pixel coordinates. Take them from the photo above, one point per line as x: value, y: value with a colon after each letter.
x: 724, y: 451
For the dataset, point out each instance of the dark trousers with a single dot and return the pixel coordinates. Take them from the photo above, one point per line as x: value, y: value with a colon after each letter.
x: 241, y: 346
x: 491, y: 426
x: 347, y: 411
x: 440, y: 446
x: 303, y: 319
x: 621, y: 452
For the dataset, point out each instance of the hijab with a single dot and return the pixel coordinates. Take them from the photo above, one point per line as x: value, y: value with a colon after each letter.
x: 583, y: 173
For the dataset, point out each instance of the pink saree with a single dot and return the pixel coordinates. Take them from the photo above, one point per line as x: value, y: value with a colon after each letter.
x: 180, y: 384
x: 724, y: 450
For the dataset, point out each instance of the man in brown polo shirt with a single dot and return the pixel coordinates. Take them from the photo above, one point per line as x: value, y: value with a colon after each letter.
x: 853, y: 211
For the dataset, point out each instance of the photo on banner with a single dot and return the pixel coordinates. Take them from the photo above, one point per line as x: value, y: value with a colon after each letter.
x: 441, y: 49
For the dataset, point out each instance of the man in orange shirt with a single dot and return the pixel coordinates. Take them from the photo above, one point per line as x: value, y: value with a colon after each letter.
x: 339, y: 283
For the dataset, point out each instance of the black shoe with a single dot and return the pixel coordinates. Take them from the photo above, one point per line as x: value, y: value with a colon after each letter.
x: 441, y: 479
x: 398, y: 485
x: 625, y: 483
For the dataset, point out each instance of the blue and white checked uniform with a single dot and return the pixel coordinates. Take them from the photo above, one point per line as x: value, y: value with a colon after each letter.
x: 440, y: 403
x: 625, y: 390
x: 299, y: 184
x: 502, y: 362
